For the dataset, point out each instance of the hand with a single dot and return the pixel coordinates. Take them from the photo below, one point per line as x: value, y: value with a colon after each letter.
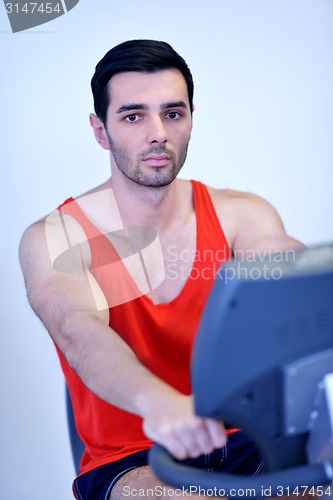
x: 175, y: 426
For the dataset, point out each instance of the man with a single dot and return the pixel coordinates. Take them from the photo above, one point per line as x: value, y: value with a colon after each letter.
x: 120, y: 276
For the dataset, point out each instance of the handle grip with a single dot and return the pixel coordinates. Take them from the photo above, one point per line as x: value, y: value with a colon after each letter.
x: 234, y: 486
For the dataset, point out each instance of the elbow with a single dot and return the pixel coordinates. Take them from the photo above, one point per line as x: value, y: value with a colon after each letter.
x: 67, y: 336
x: 76, y: 337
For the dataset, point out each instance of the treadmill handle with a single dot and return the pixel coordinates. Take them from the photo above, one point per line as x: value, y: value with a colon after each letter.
x: 277, y: 483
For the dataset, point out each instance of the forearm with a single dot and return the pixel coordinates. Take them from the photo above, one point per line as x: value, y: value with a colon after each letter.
x: 111, y: 370
x: 107, y: 365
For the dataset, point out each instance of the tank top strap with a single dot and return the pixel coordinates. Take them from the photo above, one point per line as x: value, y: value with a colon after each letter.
x: 210, y: 234
x: 72, y: 208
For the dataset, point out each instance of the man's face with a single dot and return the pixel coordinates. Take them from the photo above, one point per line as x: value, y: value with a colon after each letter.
x: 149, y: 125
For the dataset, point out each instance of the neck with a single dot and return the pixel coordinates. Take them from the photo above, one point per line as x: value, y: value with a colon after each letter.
x: 141, y: 205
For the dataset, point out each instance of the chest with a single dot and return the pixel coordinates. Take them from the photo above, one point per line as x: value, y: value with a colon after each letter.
x: 178, y: 251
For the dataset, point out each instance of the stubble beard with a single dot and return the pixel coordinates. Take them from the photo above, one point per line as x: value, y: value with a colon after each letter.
x: 159, y: 176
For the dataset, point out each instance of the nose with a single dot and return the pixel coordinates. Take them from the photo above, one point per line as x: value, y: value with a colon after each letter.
x: 157, y: 133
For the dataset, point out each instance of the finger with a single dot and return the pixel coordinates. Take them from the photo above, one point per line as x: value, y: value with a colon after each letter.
x: 175, y: 442
x: 194, y: 437
x: 185, y: 434
x: 175, y: 447
x: 203, y: 439
x: 217, y: 433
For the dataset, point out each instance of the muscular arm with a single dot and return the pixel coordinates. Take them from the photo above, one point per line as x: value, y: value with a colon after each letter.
x: 261, y: 228
x: 66, y: 305
x: 251, y: 224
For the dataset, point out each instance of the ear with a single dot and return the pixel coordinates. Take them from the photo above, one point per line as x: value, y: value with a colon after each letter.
x: 193, y: 108
x: 99, y: 131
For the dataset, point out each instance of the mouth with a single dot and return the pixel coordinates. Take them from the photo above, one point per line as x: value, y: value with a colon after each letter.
x: 157, y: 160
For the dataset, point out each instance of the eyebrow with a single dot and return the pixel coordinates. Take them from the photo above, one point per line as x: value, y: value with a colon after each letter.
x: 138, y: 106
x: 174, y: 104
x: 131, y: 107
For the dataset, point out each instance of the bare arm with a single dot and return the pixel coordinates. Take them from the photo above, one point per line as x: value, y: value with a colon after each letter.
x: 261, y: 228
x: 251, y: 224
x: 66, y: 305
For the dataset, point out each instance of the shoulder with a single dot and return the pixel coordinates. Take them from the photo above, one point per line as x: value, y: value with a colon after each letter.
x: 237, y: 209
x: 48, y: 238
x: 237, y: 201
x: 32, y: 242
x: 250, y: 221
x: 46, y: 230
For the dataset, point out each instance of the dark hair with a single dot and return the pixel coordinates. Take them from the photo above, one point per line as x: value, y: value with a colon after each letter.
x: 135, y: 55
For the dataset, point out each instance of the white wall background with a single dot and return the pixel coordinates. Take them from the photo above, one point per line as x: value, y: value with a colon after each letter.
x: 263, y: 71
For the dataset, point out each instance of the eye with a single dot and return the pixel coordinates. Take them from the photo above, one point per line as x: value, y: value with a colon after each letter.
x: 173, y: 115
x: 132, y: 118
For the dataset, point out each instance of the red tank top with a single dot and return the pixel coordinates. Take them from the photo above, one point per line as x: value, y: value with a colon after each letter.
x: 160, y: 335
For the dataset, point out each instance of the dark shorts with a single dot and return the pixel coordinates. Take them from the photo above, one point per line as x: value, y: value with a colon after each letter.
x: 240, y: 456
